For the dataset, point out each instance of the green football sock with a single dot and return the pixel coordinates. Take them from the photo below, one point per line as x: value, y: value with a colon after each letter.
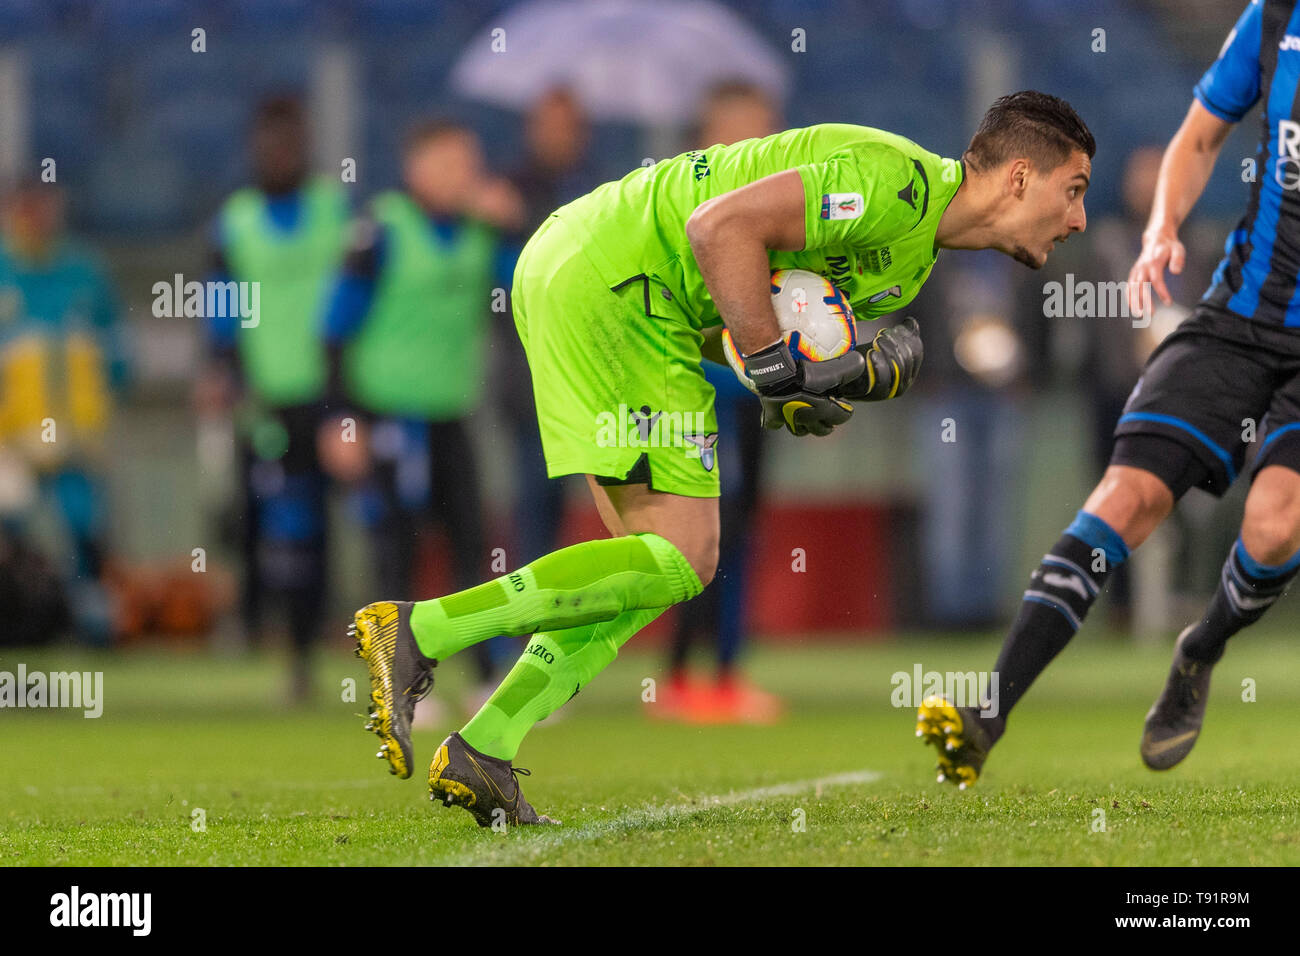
x: 552, y: 669
x: 584, y: 584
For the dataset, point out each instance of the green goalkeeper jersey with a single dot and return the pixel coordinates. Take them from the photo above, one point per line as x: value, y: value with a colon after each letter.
x: 872, y: 202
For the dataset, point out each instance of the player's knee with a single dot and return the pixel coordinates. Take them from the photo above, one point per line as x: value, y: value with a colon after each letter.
x: 1270, y: 527
x: 700, y: 549
x: 1269, y: 543
x: 1133, y: 501
x: 689, y: 524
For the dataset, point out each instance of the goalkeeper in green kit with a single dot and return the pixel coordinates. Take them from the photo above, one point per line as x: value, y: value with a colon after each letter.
x: 616, y: 298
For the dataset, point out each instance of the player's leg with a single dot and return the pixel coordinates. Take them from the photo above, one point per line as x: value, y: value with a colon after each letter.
x: 620, y: 398
x: 557, y: 663
x: 474, y: 768
x: 584, y: 584
x: 1181, y: 429
x: 1122, y: 511
x: 1260, y: 566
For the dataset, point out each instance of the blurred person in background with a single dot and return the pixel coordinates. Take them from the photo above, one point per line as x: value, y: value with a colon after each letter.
x: 63, y: 361
x: 555, y: 168
x: 718, y: 617
x: 407, y: 328
x: 554, y: 171
x: 287, y: 233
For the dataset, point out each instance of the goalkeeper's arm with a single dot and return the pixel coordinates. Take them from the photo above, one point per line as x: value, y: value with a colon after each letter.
x: 730, y: 236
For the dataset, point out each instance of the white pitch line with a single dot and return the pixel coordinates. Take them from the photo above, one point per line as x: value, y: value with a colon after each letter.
x: 651, y: 816
x: 817, y: 785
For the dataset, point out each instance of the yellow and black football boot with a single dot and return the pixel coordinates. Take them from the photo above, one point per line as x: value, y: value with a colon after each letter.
x: 485, y: 786
x: 399, y: 677
x: 960, y: 736
x: 1174, y: 721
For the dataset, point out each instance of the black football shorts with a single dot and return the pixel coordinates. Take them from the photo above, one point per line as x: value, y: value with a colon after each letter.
x: 1219, y: 385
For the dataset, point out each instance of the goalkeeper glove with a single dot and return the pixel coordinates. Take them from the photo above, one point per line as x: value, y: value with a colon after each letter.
x: 893, y: 362
x: 796, y: 394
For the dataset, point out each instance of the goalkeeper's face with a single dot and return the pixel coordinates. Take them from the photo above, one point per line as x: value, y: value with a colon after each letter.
x: 1047, y: 207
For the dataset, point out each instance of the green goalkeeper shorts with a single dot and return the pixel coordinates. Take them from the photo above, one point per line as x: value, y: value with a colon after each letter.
x: 620, y: 393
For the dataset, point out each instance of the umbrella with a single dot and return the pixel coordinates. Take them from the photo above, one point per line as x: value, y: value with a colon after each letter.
x: 624, y: 59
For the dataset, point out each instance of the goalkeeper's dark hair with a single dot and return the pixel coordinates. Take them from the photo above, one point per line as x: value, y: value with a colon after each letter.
x: 1039, y: 126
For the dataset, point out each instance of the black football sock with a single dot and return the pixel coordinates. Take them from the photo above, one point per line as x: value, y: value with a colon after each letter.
x: 1061, y: 590
x: 1246, y: 590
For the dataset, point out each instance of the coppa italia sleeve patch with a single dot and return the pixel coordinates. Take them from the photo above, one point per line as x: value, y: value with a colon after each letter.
x: 841, y: 205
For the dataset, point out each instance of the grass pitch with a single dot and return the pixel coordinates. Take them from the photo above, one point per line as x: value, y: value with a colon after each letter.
x: 190, y: 738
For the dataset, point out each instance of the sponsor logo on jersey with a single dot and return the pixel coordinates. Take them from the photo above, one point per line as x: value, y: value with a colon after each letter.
x: 699, y: 164
x: 909, y: 194
x: 841, y: 205
x: 894, y: 290
x: 1287, y: 169
x: 877, y: 260
x: 1289, y: 42
x: 838, y: 267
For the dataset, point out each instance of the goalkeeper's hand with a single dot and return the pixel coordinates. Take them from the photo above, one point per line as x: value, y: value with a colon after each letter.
x: 893, y: 362
x: 796, y: 394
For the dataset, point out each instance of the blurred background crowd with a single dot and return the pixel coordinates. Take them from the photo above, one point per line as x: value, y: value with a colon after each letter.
x: 374, y: 166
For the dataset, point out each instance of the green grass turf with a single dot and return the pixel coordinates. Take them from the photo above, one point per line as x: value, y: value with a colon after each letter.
x: 280, y: 787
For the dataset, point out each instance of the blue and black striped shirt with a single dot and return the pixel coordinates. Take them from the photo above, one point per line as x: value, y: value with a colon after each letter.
x: 1261, y: 60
